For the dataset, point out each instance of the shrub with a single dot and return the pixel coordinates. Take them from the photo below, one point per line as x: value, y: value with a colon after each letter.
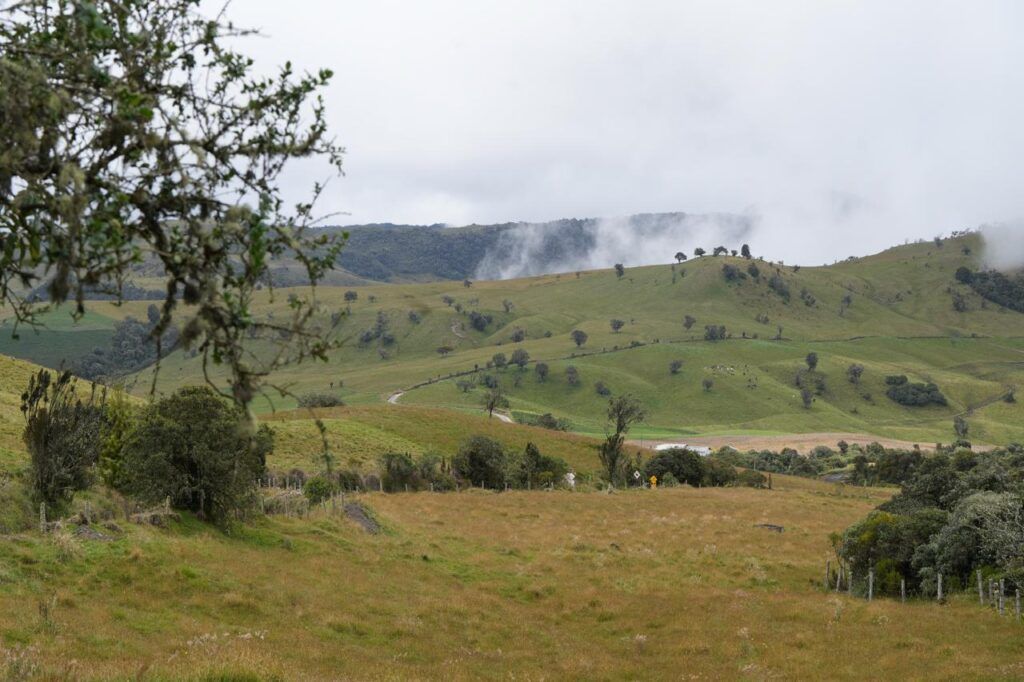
x: 520, y: 358
x: 715, y: 332
x: 397, y: 472
x: 685, y: 465
x: 718, y: 473
x: 777, y: 284
x: 601, y: 389
x: 319, y: 488
x: 675, y: 366
x: 196, y: 449
x: 62, y: 435
x: 732, y: 273
x: 536, y: 468
x: 915, y: 395
x: 481, y: 461
x: 319, y: 399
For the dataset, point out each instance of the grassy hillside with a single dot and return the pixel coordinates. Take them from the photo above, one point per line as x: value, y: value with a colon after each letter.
x: 481, y: 585
x: 898, y: 319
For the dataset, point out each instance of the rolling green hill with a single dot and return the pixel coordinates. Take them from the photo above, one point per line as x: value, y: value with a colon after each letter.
x: 892, y: 312
x: 897, y: 318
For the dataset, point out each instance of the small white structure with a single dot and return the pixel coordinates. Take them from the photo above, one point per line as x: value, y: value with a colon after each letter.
x: 700, y: 450
x: 570, y: 480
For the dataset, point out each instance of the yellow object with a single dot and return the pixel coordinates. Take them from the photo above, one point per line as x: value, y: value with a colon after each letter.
x: 654, y: 482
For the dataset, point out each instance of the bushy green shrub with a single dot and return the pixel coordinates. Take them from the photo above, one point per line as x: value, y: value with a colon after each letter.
x: 198, y: 450
x: 398, y: 472
x: 320, y: 488
x: 481, y: 461
x: 685, y: 465
x: 751, y: 479
x: 536, y: 468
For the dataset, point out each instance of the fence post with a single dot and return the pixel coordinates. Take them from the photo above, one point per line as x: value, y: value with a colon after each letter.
x: 849, y: 582
x: 1002, y: 595
x: 871, y: 583
x: 903, y: 591
x: 839, y: 577
x: 828, y: 572
x: 1018, y: 603
x: 981, y: 590
x: 939, y: 593
x: 42, y: 517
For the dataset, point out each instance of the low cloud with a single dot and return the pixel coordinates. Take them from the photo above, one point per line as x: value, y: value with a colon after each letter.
x: 571, y: 245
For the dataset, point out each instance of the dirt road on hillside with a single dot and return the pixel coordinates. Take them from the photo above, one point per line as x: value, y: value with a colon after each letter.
x: 801, y: 442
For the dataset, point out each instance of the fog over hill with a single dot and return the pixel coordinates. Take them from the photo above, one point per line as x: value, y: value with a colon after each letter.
x: 387, y: 252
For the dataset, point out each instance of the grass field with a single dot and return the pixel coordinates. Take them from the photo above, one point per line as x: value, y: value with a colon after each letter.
x: 538, y: 585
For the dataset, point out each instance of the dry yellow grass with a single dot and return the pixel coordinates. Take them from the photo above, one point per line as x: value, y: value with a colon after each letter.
x: 666, y: 584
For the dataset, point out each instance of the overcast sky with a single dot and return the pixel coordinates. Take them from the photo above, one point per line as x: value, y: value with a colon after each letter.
x: 845, y: 126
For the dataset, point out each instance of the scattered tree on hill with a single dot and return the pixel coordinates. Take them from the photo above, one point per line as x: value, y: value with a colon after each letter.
x: 812, y: 361
x: 479, y: 321
x: 518, y: 335
x: 745, y: 251
x: 448, y: 300
x: 843, y: 446
x: 699, y: 252
x: 542, y: 370
x: 854, y: 372
x: 415, y: 317
x: 675, y: 366
x: 189, y: 447
x: 572, y: 375
x: 579, y: 337
x: 494, y: 399
x: 520, y: 358
x: 680, y: 256
x: 845, y: 304
x: 602, y: 389
x: 732, y: 273
x: 351, y: 296
x: 499, y: 360
x: 464, y: 385
x: 620, y: 270
x: 688, y: 322
x: 444, y: 350
x: 508, y: 305
x: 753, y: 270
x: 715, y: 332
x: 807, y: 397
x: 708, y: 383
x: 623, y: 412
x: 719, y: 250
x: 62, y: 435
x: 616, y: 325
x: 466, y: 283
x: 777, y: 284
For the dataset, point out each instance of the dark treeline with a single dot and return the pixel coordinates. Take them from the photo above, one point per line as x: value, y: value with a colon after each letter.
x: 132, y: 347
x: 994, y: 286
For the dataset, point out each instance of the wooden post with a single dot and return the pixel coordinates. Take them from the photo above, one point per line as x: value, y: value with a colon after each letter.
x: 42, y: 517
x: 87, y: 513
x: 849, y: 581
x: 839, y: 577
x: 1002, y: 596
x: 1018, y: 603
x: 939, y: 592
x: 871, y: 583
x: 828, y: 572
x: 769, y: 480
x: 991, y: 592
x: 981, y: 590
x: 380, y: 485
x: 903, y: 591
